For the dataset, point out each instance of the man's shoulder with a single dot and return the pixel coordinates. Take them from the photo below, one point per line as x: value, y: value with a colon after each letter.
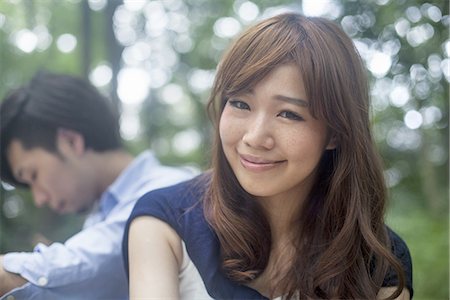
x: 178, y: 195
x: 145, y: 174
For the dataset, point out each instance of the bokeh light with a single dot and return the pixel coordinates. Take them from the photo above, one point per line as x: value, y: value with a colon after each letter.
x: 66, y: 43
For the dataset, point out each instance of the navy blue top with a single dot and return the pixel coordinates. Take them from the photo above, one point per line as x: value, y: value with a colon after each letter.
x: 180, y: 207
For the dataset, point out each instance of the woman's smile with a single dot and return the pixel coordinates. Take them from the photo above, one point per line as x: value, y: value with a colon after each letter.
x: 258, y: 164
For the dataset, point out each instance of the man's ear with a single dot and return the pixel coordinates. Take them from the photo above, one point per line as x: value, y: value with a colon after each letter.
x: 70, y: 140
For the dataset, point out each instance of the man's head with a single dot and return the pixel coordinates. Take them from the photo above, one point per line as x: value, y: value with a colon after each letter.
x: 46, y: 130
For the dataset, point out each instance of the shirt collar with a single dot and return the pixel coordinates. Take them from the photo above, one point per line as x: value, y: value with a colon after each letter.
x: 127, y: 183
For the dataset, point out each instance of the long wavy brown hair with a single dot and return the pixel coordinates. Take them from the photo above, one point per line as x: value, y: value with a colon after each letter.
x: 342, y: 249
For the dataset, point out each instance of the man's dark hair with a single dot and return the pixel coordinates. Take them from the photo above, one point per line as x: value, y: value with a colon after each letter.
x: 33, y: 113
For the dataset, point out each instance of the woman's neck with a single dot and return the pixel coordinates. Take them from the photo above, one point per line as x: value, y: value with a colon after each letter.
x: 281, y: 211
x: 280, y: 261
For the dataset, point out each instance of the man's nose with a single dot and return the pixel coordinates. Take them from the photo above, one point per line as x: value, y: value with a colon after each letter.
x: 39, y: 195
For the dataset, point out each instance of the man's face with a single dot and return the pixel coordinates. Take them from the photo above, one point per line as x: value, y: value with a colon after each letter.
x: 63, y: 182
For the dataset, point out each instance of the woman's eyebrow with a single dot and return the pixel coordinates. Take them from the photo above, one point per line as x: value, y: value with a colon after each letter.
x: 292, y: 100
x: 295, y: 101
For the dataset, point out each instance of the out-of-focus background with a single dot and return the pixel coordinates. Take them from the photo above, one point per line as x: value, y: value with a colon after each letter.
x: 156, y: 60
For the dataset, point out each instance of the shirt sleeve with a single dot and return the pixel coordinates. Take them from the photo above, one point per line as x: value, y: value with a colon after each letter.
x: 91, y: 258
x: 401, y: 251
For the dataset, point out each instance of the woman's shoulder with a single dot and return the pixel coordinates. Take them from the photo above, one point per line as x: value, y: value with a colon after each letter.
x: 400, y: 249
x: 179, y: 205
x: 398, y: 246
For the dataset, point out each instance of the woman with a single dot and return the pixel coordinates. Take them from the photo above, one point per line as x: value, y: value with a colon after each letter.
x: 293, y: 205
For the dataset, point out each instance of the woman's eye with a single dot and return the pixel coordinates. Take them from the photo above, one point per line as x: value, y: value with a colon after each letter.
x: 290, y: 115
x: 239, y: 104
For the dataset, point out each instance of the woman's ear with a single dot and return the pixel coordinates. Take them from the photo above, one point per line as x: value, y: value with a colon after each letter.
x: 332, y: 143
x: 70, y: 141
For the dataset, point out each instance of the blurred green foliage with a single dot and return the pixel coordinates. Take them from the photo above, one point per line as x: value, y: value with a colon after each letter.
x: 410, y: 96
x: 427, y: 239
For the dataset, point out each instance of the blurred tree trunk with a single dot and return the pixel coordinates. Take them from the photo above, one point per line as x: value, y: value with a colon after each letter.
x: 430, y: 183
x: 86, y: 38
x: 114, y: 49
x: 30, y: 13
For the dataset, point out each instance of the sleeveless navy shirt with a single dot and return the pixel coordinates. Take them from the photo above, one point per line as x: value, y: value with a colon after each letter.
x: 180, y: 206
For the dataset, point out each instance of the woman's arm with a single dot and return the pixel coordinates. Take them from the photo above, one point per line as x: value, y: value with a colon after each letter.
x: 155, y: 256
x: 387, y: 291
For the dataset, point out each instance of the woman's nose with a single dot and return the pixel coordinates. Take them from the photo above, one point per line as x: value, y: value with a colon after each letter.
x: 258, y: 133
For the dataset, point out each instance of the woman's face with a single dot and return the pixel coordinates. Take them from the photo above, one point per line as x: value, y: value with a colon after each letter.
x: 270, y: 139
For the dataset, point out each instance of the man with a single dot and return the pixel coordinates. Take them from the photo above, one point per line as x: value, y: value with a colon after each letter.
x: 60, y: 138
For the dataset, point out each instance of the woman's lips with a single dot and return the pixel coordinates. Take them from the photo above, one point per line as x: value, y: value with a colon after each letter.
x: 258, y: 164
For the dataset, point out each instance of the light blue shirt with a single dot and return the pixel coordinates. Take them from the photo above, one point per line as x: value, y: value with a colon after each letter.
x: 89, y: 264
